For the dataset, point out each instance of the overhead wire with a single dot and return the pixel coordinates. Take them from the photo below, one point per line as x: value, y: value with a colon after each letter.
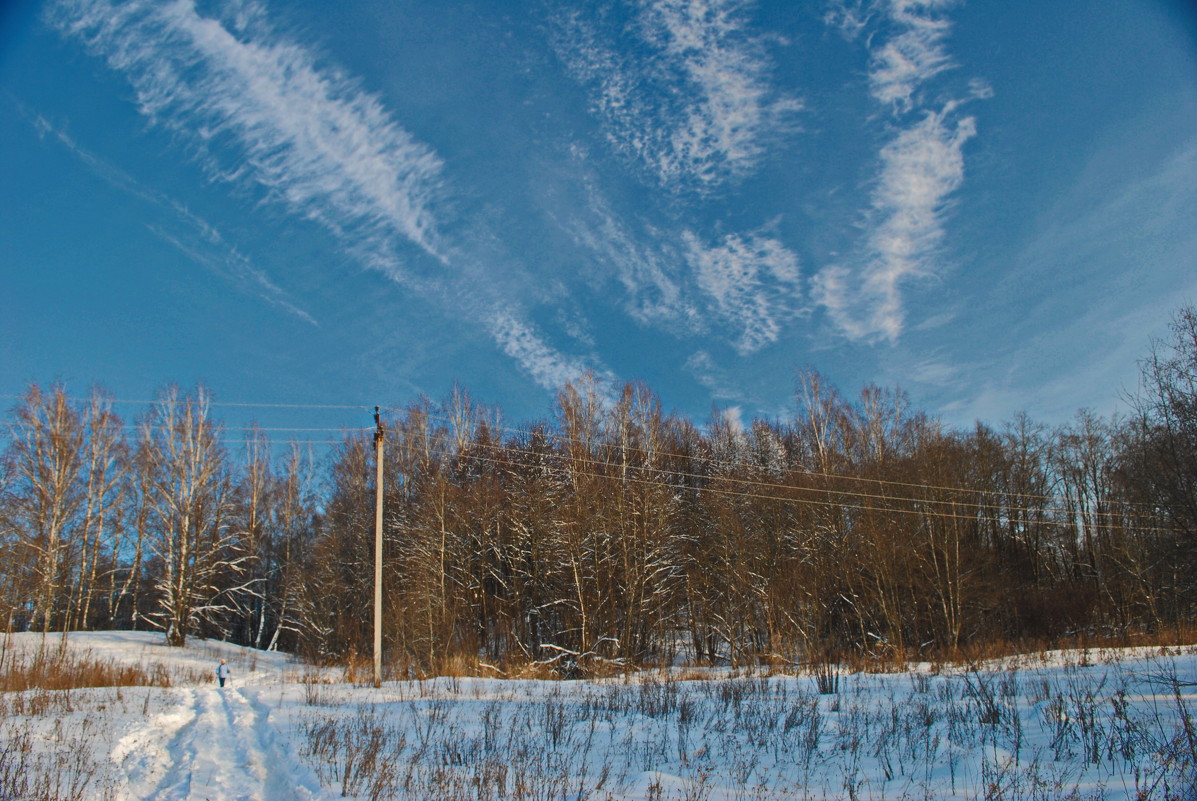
x: 827, y: 504
x: 554, y: 435
x: 791, y: 488
x: 794, y: 470
x: 828, y: 476
x: 561, y: 439
x: 141, y: 402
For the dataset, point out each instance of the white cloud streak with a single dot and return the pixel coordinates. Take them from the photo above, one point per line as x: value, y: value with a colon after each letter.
x: 902, y: 64
x: 547, y: 366
x: 233, y: 263
x: 919, y: 170
x: 692, y: 101
x: 202, y: 242
x: 650, y: 279
x: 711, y: 375
x: 265, y: 114
x: 744, y: 288
x: 754, y: 284
x: 260, y: 110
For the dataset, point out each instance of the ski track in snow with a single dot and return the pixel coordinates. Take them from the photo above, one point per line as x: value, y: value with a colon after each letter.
x: 216, y: 744
x: 243, y: 742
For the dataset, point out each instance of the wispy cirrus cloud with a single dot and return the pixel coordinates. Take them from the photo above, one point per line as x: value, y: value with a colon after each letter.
x: 652, y: 280
x: 692, y: 102
x: 706, y: 371
x: 547, y: 366
x: 902, y: 64
x: 261, y: 111
x: 919, y: 169
x: 743, y: 288
x: 266, y: 115
x: 228, y: 260
x: 753, y: 283
x: 202, y: 242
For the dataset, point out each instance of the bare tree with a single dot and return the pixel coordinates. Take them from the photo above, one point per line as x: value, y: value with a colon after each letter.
x: 1160, y: 460
x: 131, y: 541
x: 535, y: 488
x: 201, y: 561
x: 103, y: 466
x: 11, y: 548
x: 338, y: 591
x: 645, y: 515
x: 610, y: 530
x: 48, y: 465
x: 295, y: 513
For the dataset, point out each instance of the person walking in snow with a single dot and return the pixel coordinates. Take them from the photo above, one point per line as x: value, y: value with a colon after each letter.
x: 222, y: 672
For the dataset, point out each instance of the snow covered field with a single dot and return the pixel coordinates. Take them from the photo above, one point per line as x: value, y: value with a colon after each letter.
x: 1096, y: 724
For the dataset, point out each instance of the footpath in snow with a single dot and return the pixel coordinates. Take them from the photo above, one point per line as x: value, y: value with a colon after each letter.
x: 192, y: 740
x: 213, y: 744
x: 1096, y: 725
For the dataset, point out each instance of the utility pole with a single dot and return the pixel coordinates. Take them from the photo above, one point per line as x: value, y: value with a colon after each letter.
x: 379, y: 435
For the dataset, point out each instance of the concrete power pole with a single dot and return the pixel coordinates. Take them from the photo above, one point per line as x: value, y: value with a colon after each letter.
x: 379, y: 435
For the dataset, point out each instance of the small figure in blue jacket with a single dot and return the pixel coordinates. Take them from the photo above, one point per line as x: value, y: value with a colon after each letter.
x: 222, y: 672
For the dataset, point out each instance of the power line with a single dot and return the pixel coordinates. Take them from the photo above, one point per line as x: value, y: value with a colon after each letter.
x: 815, y: 474
x: 830, y: 504
x: 561, y: 439
x: 251, y: 429
x: 131, y: 401
x: 992, y: 507
x: 554, y: 435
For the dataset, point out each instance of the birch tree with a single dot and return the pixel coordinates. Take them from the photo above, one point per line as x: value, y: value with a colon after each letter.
x: 104, y: 458
x: 201, y: 562
x: 256, y: 532
x: 295, y: 513
x: 131, y: 541
x: 47, y: 461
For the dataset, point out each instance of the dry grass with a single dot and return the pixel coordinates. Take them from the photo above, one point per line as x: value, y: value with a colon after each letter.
x: 1085, y: 643
x: 63, y: 670
x: 1088, y: 647
x: 999, y: 734
x: 48, y: 731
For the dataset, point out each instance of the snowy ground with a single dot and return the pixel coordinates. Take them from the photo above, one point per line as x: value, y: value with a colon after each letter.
x: 1102, y: 725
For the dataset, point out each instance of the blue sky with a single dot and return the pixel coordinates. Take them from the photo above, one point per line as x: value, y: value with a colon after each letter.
x: 990, y: 205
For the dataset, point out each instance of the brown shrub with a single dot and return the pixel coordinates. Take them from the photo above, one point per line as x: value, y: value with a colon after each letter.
x: 62, y: 670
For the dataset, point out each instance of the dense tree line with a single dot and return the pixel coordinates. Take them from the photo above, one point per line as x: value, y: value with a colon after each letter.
x: 611, y: 532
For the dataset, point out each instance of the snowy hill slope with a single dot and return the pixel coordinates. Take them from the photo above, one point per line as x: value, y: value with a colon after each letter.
x: 1086, y: 725
x: 188, y: 740
x: 193, y: 663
